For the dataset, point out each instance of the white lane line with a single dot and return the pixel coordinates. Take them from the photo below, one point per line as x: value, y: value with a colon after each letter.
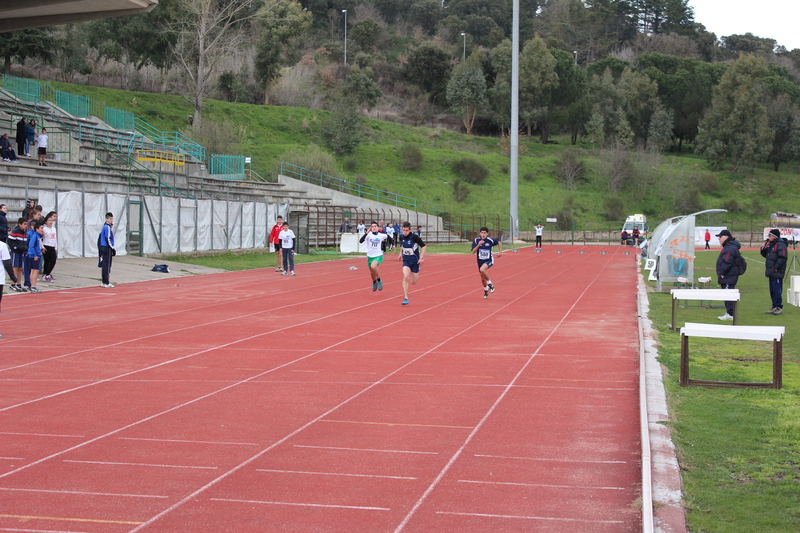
x: 362, y: 449
x: 571, y: 487
x: 551, y: 518
x: 13, y: 458
x: 304, y: 504
x: 331, y: 474
x: 37, y: 530
x: 42, y: 435
x: 82, y: 493
x: 111, y: 463
x: 557, y: 460
x: 191, y: 441
x: 499, y: 399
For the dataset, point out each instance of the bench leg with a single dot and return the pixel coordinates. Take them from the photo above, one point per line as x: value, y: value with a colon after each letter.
x: 736, y: 312
x: 684, y: 379
x: 777, y: 364
x: 672, y: 326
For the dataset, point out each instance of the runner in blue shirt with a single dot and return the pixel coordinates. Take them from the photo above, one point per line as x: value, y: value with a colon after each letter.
x: 482, y: 247
x: 412, y: 253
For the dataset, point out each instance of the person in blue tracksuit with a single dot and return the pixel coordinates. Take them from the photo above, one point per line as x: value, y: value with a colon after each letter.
x: 482, y: 248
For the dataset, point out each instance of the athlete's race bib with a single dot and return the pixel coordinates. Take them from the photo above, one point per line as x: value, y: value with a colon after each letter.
x: 484, y: 254
x: 408, y: 251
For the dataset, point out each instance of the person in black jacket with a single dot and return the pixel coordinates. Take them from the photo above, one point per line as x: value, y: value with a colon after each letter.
x: 727, y: 271
x: 3, y: 222
x: 22, y: 136
x: 775, y: 252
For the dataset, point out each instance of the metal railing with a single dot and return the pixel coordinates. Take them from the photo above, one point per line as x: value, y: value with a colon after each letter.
x: 228, y: 167
x: 170, y: 138
x: 362, y: 191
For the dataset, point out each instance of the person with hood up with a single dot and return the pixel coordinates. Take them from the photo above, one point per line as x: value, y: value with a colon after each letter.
x: 775, y: 253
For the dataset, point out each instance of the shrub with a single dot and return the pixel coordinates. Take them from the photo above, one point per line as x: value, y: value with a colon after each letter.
x: 505, y: 169
x: 564, y: 218
x: 460, y: 190
x: 342, y: 131
x: 471, y: 170
x: 411, y: 156
x: 529, y: 176
x: 615, y: 208
x: 732, y: 205
x: 311, y: 157
x: 361, y: 179
x: 568, y: 169
x: 350, y: 164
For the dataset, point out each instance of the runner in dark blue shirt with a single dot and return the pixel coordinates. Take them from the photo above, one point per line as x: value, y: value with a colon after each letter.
x: 482, y: 247
x: 412, y: 253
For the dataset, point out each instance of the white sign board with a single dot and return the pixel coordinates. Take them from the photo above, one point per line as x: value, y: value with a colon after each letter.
x: 551, y: 220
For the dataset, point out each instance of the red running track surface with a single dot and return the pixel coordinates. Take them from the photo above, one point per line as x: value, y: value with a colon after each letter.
x: 253, y: 402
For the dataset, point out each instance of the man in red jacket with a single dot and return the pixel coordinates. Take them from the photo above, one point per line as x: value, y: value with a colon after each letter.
x: 275, y: 242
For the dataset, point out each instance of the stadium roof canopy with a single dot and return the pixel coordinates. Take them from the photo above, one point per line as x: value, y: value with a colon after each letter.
x: 24, y: 14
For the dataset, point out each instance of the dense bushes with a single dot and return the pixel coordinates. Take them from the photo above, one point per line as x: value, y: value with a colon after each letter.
x: 471, y: 170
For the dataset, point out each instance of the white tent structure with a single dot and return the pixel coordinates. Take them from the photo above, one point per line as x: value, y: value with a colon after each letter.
x: 670, y: 254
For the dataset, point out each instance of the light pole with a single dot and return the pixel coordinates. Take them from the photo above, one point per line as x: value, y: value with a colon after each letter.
x: 345, y: 35
x: 575, y: 53
x: 464, y: 35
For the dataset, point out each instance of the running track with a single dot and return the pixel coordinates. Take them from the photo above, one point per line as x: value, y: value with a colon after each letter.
x: 253, y: 402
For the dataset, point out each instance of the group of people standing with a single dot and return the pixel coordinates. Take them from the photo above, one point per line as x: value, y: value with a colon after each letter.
x: 26, y: 137
x: 729, y: 268
x: 32, y: 246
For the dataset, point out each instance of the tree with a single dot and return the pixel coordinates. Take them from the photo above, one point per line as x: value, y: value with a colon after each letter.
x: 361, y: 87
x: 537, y: 81
x: 23, y: 44
x: 784, y: 121
x: 736, y: 126
x: 205, y: 35
x: 366, y: 34
x: 342, y: 132
x: 275, y: 30
x: 466, y: 91
x: 426, y: 14
x: 72, y: 51
x: 429, y: 67
x: 659, y: 131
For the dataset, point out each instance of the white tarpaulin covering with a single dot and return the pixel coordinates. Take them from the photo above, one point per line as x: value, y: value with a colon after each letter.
x: 169, y: 225
x: 81, y: 218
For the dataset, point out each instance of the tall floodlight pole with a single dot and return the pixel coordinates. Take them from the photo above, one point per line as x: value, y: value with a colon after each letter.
x: 514, y: 211
x: 575, y: 53
x: 345, y: 35
x: 464, y: 35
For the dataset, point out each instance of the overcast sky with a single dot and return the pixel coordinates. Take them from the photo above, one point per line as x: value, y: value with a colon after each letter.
x: 776, y: 19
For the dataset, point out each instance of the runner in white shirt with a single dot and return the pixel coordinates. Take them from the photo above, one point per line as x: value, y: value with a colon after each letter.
x: 374, y: 241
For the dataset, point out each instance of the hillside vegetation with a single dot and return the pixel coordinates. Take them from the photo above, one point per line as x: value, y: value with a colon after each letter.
x: 658, y: 185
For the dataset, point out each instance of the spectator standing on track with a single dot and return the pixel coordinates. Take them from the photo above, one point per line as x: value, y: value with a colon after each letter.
x: 727, y: 269
x: 33, y: 263
x: 412, y: 253
x: 5, y: 257
x: 636, y: 236
x: 775, y: 252
x: 106, y: 250
x: 41, y: 145
x: 30, y: 132
x: 3, y: 222
x: 22, y: 137
x: 397, y: 232
x: 275, y: 242
x: 539, y: 231
x: 345, y: 226
x: 375, y: 241
x: 624, y: 238
x: 18, y: 246
x: 50, y: 245
x: 287, y: 247
x: 707, y: 238
x: 482, y: 247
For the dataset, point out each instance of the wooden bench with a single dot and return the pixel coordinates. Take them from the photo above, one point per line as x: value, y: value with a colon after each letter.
x: 720, y: 331
x: 726, y: 295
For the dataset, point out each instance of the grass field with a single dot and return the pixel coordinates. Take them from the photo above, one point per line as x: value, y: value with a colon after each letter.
x: 739, y: 450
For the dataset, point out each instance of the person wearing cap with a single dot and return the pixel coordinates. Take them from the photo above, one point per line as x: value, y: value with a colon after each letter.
x: 727, y: 271
x: 775, y: 252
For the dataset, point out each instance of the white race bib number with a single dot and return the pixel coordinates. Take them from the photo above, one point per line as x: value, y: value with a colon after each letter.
x: 484, y: 254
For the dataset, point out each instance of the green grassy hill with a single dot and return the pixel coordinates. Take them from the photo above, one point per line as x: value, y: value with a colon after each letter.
x: 675, y: 184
